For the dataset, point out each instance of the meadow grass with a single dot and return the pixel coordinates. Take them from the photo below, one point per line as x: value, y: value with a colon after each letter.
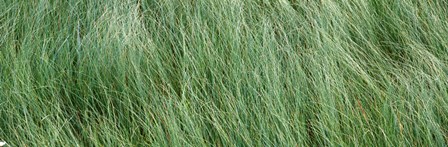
x: 224, y: 73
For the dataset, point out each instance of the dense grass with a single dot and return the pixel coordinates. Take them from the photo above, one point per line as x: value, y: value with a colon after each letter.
x: 224, y: 72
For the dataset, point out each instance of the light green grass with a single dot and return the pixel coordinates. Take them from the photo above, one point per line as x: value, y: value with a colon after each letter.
x: 224, y: 73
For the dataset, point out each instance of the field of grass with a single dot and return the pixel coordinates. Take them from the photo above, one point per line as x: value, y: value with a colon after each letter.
x: 224, y: 72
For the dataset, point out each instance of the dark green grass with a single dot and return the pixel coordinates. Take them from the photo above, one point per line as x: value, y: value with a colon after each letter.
x: 224, y: 73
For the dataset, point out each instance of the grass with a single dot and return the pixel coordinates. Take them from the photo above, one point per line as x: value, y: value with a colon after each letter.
x: 224, y: 73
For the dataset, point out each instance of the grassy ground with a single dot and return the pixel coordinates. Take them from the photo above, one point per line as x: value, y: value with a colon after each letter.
x: 224, y: 72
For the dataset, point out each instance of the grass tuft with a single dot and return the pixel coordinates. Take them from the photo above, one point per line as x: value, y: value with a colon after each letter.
x: 224, y: 73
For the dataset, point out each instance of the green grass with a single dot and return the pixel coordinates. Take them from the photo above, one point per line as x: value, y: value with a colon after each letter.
x: 224, y: 73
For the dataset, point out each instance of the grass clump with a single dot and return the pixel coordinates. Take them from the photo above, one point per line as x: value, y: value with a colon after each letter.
x: 224, y: 73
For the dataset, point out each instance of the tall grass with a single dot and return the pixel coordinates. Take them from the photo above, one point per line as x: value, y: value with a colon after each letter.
x: 224, y: 73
